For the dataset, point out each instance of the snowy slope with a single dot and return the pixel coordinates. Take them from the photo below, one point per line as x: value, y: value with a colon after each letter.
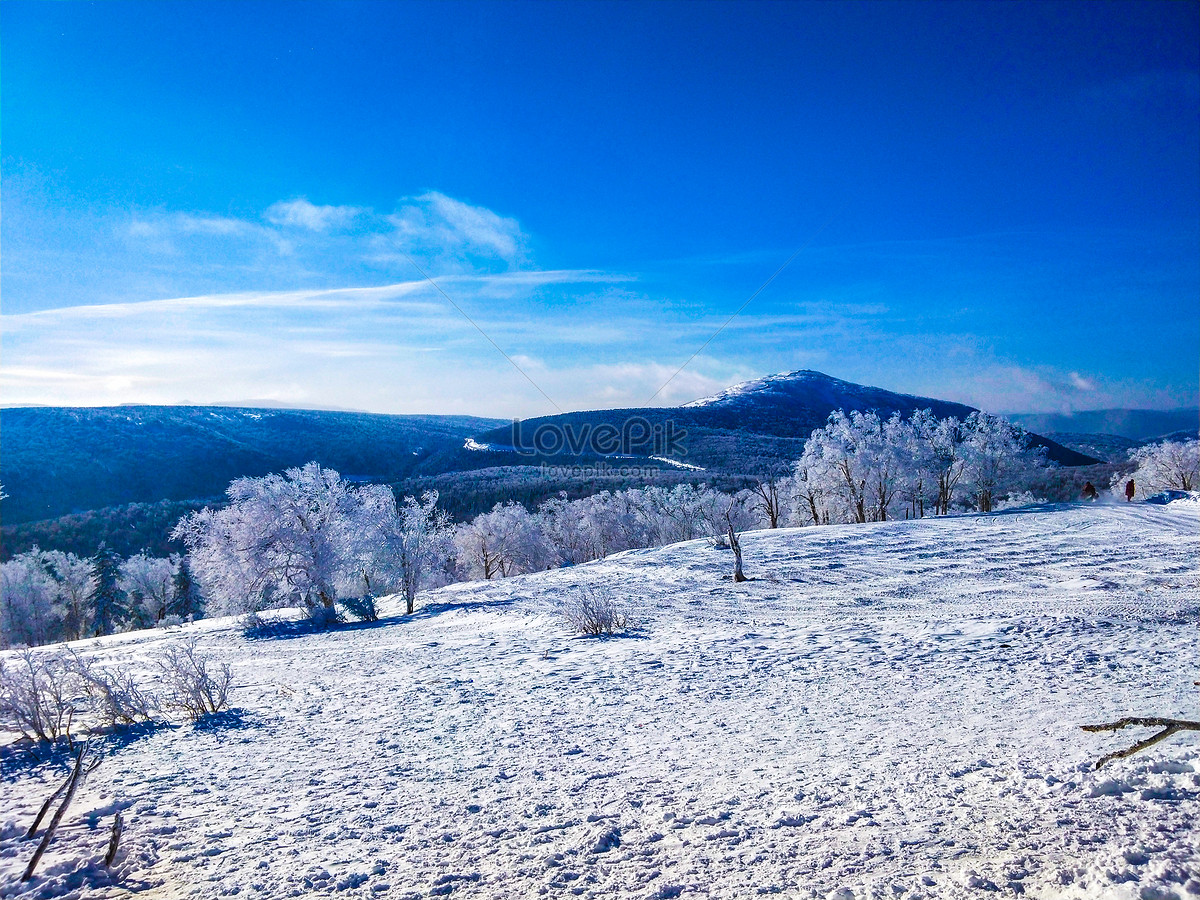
x: 889, y: 710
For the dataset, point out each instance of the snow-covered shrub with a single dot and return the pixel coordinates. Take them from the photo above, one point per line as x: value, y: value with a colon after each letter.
x: 363, y: 608
x: 40, y: 694
x: 192, y: 684
x: 171, y: 621
x: 323, y: 618
x: 595, y: 616
x: 254, y: 625
x: 114, y: 697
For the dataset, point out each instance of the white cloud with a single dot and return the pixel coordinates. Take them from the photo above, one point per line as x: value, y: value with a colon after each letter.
x: 300, y: 213
x: 297, y: 242
x: 434, y: 221
x: 215, y: 225
x: 356, y: 326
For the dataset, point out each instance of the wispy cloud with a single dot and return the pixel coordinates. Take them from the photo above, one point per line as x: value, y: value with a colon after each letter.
x: 301, y: 213
x: 449, y: 225
x: 401, y: 348
x: 52, y: 260
x: 394, y: 347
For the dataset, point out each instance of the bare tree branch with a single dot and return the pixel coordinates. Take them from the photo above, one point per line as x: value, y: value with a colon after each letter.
x: 1168, y: 726
x: 81, y: 769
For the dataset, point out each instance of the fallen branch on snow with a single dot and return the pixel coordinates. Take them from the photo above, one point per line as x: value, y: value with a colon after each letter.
x: 82, y: 767
x: 1168, y: 726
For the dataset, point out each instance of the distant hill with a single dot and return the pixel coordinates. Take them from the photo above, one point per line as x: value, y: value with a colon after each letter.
x: 1135, y: 424
x: 736, y: 431
x: 1111, y: 448
x: 57, y: 461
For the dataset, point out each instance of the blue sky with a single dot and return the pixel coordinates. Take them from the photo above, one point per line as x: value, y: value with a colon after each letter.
x: 993, y: 203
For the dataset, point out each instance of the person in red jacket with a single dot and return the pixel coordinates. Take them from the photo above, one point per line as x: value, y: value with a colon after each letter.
x: 1089, y: 492
x: 1129, y: 489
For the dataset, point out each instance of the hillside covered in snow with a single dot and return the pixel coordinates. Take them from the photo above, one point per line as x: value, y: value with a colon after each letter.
x: 884, y: 710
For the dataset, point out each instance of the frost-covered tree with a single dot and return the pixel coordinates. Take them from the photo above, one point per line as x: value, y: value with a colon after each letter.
x: 884, y: 445
x: 918, y: 487
x: 1171, y: 465
x: 30, y: 613
x: 808, y: 491
x: 616, y: 522
x: 947, y: 460
x: 46, y: 596
x: 76, y: 580
x: 149, y: 583
x: 506, y: 541
x: 996, y: 454
x: 720, y: 510
x: 605, y: 523
x: 854, y: 463
x: 682, y: 513
x: 283, y: 540
x: 595, y: 527
x: 831, y: 457
x: 858, y: 468
x: 401, y: 548
x: 573, y: 528
x: 771, y: 490
x: 421, y: 544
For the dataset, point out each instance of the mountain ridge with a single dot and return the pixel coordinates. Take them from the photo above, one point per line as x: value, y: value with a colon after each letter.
x: 1133, y: 424
x: 72, y: 469
x: 785, y: 408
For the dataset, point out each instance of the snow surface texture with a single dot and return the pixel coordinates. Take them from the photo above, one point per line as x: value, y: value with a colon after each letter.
x: 888, y: 710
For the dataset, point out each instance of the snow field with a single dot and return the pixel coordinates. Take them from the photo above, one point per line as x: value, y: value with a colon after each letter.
x: 888, y: 710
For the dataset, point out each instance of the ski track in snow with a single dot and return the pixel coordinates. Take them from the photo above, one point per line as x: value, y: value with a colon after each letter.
x: 889, y: 710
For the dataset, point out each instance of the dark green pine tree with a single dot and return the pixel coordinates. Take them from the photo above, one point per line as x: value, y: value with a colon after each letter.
x: 111, y: 604
x: 186, y: 600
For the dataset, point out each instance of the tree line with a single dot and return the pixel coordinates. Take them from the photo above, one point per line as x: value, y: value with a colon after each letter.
x: 48, y: 596
x: 308, y: 538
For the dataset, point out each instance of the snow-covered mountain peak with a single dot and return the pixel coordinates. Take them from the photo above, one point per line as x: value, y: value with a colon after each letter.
x: 764, y: 385
x: 783, y: 384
